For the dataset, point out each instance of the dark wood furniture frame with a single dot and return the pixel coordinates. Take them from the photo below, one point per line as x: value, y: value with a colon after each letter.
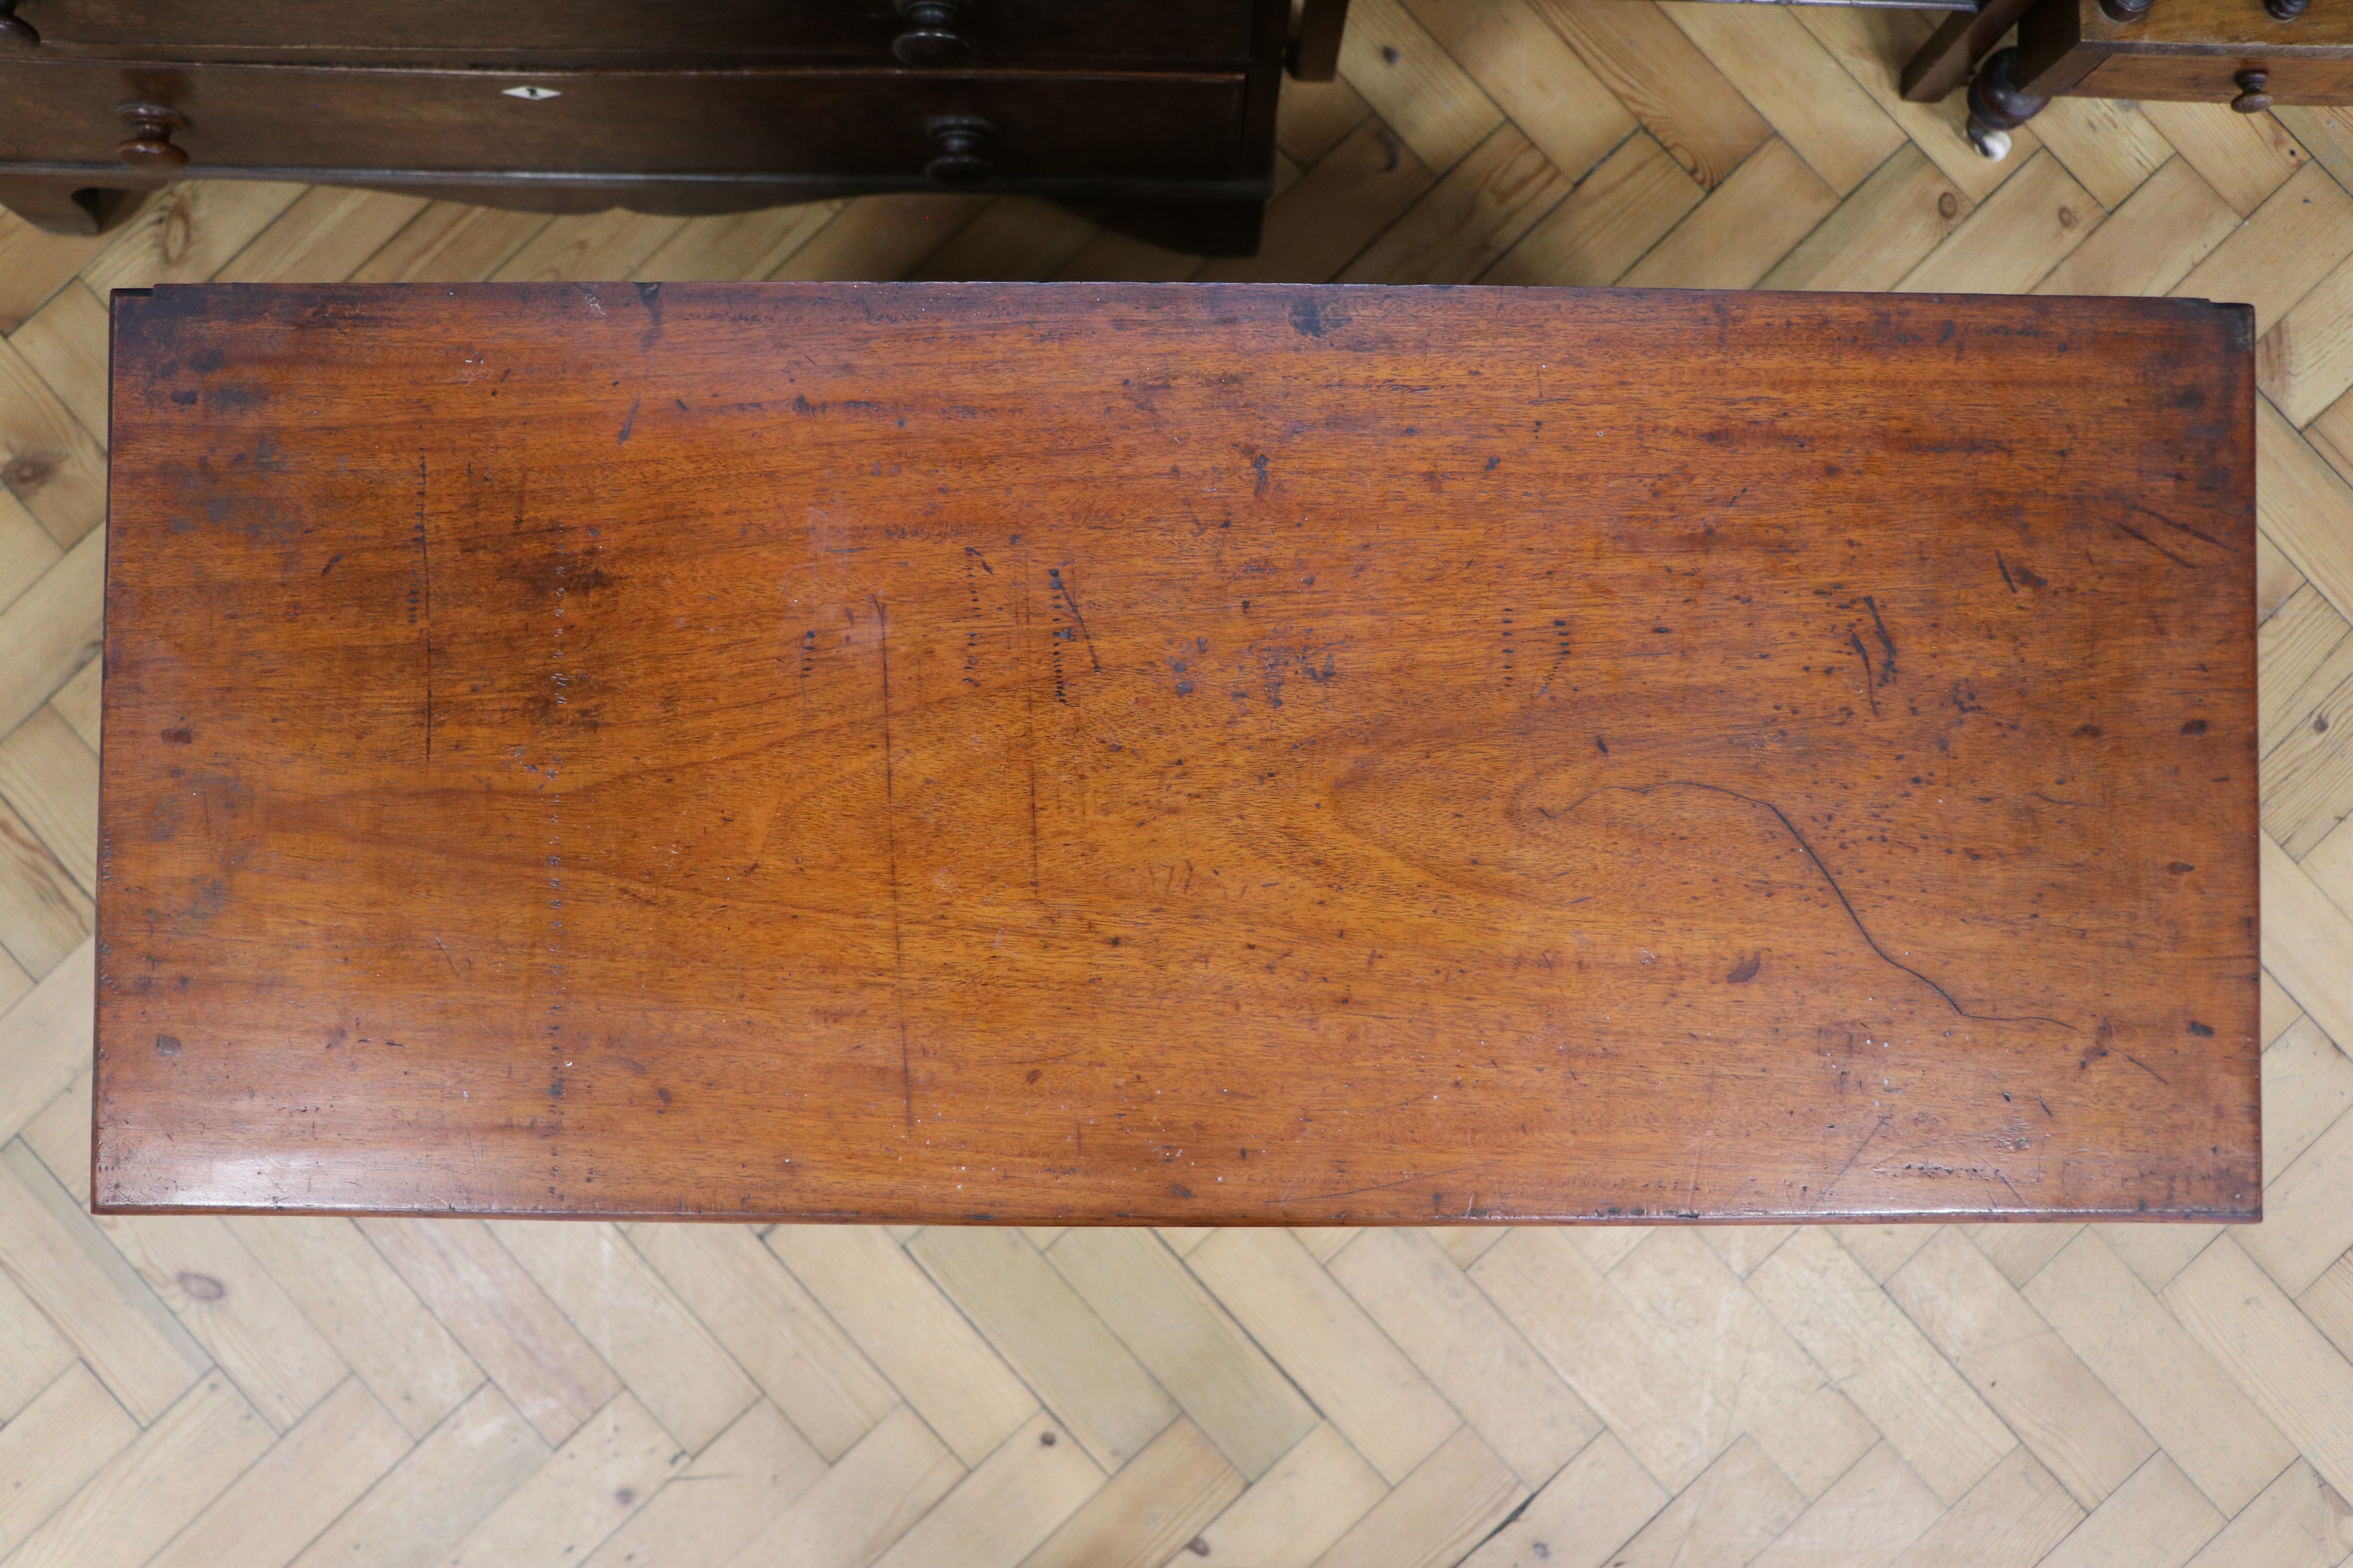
x: 1155, y: 116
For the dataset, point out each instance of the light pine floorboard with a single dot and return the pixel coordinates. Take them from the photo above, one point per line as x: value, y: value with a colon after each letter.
x: 398, y: 1393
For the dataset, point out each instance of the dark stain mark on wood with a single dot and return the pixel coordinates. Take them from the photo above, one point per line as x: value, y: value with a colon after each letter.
x: 1068, y: 588
x: 1887, y: 668
x: 167, y: 1044
x: 630, y: 423
x: 1870, y: 687
x: 2128, y: 528
x: 1745, y: 970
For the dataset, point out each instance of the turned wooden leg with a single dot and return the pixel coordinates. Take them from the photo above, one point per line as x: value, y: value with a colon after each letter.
x: 1942, y: 66
x: 1997, y: 105
x: 64, y: 205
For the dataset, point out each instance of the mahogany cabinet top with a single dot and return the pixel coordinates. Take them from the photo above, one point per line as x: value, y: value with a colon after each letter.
x: 1179, y: 754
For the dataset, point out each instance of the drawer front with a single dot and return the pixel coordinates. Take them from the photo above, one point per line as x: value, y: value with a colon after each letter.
x: 2291, y: 78
x: 998, y: 33
x: 866, y: 124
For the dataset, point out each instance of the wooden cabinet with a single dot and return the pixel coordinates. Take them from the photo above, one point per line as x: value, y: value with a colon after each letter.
x: 2194, y: 50
x: 1157, y: 115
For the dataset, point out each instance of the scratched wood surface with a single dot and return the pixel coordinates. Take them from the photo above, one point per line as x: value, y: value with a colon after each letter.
x: 1177, y: 754
x: 383, y: 1393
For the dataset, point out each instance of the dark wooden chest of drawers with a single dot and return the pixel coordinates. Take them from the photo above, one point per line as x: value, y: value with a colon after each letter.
x: 1156, y: 114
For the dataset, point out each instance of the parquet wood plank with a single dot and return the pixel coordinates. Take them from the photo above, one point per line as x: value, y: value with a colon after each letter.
x: 2307, y: 1225
x: 2155, y: 1253
x: 32, y: 1354
x: 1336, y: 208
x: 189, y: 1453
x: 2157, y: 1519
x: 297, y: 1488
x: 49, y: 777
x: 449, y: 242
x: 736, y: 245
x: 1311, y: 118
x: 2301, y: 504
x: 1545, y: 90
x: 712, y: 1508
x: 1878, y: 234
x: 1007, y: 1507
x: 185, y: 234
x: 2021, y: 1366
x: 1014, y: 240
x: 1670, y: 85
x: 2307, y: 777
x: 1049, y: 1336
x: 1328, y: 1345
x: 2108, y: 144
x: 2010, y: 1520
x: 2286, y: 245
x: 1747, y: 224
x: 588, y: 248
x: 1868, y: 1516
x: 1747, y: 1364
x: 49, y: 459
x: 1803, y: 91
x: 881, y: 236
x: 1744, y: 1247
x: 53, y: 1445
x: 620, y: 1306
x: 1149, y: 1509
x: 867, y: 1500
x: 228, y: 1302
x: 51, y: 630
x: 44, y: 1040
x: 65, y: 342
x: 1581, y: 1517
x: 367, y: 1312
x: 910, y: 1333
x: 1662, y: 1409
x: 1603, y: 226
x: 58, y: 1258
x: 2298, y: 1521
x: 587, y: 1489
x: 1729, y: 1513
x: 2305, y: 362
x: 1292, y: 1513
x: 1413, y: 84
x: 2246, y: 157
x: 1192, y: 1346
x: 76, y: 702
x: 774, y: 1328
x: 2329, y: 1304
x: 1468, y: 1350
x: 2325, y: 132
x: 2298, y: 653
x: 2014, y: 237
x: 1876, y: 1357
x: 2174, y: 1388
x: 1469, y: 219
x: 26, y: 551
x: 502, y: 1318
x: 2307, y: 1087
x: 2020, y: 1251
x: 43, y: 913
x: 323, y: 237
x: 34, y: 266
x: 1450, y: 1503
x: 2162, y: 230
x: 444, y: 1486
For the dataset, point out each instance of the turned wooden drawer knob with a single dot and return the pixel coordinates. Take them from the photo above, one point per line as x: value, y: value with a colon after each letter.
x: 149, y: 145
x: 2252, y: 98
x: 2123, y: 10
x: 15, y: 30
x: 959, y: 138
x: 2287, y: 10
x: 931, y: 39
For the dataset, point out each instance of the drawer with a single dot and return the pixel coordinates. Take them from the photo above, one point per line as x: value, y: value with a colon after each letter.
x: 997, y: 33
x: 2290, y: 79
x: 871, y: 124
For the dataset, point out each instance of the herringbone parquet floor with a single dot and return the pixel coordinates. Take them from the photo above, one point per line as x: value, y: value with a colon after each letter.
x: 253, y: 1393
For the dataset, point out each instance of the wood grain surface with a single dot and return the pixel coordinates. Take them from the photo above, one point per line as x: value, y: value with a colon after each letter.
x: 1235, y: 754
